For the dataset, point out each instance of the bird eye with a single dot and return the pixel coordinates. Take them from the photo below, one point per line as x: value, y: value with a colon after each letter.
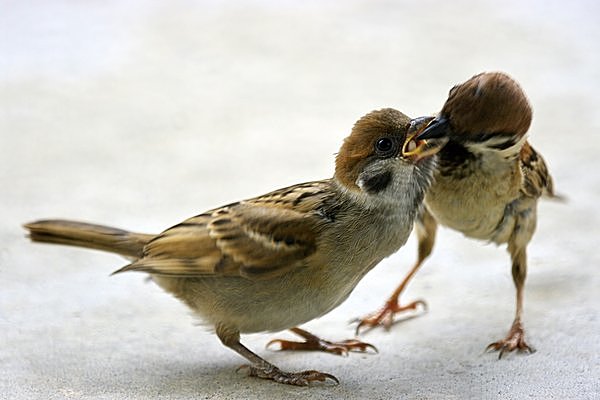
x: 385, y: 147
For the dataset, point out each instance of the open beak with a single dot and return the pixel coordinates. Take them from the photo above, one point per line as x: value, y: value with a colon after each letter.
x: 419, y: 144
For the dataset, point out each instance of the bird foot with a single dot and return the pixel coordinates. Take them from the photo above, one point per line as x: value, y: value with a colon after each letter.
x: 385, y: 316
x: 314, y: 343
x: 515, y: 340
x: 273, y: 373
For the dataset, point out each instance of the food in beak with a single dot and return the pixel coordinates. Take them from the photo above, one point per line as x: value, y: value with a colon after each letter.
x: 415, y: 148
x: 418, y: 149
x: 411, y: 146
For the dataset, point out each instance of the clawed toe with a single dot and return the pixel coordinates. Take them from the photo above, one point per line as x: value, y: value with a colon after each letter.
x: 515, y: 340
x: 339, y: 348
x: 385, y: 316
x: 303, y: 378
x: 357, y: 346
x: 314, y: 343
x: 508, y: 345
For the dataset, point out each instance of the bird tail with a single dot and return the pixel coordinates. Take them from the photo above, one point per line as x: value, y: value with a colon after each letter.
x: 551, y: 194
x: 81, y: 234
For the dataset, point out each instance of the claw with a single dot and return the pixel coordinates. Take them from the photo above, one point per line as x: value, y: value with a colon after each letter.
x: 339, y: 348
x: 385, y: 316
x: 353, y: 344
x: 303, y: 378
x: 515, y: 340
x: 314, y: 343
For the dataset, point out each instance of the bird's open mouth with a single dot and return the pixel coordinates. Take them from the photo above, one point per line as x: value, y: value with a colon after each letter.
x: 415, y: 149
x: 413, y: 145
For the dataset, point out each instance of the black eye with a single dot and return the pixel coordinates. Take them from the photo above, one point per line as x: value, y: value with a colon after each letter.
x: 385, y: 147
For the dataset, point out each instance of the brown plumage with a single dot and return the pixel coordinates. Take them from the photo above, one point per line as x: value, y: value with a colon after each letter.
x: 92, y: 236
x: 487, y: 185
x: 493, y: 95
x: 281, y: 259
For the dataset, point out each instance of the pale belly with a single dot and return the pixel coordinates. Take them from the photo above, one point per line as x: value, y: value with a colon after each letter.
x: 475, y: 206
x: 258, y: 306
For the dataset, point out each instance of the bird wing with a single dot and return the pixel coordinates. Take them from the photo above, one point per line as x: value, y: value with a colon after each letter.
x: 258, y: 238
x: 536, y: 178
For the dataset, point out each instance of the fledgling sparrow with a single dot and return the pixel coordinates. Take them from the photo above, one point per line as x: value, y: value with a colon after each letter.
x: 284, y: 258
x: 486, y: 186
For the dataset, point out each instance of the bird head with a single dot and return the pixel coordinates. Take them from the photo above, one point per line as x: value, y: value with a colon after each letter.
x: 489, y: 111
x: 382, y: 157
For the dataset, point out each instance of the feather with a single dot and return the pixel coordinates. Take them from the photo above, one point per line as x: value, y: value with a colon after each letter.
x: 257, y: 239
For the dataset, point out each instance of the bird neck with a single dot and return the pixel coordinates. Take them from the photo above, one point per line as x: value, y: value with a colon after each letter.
x: 459, y: 160
x: 501, y: 144
x: 399, y: 198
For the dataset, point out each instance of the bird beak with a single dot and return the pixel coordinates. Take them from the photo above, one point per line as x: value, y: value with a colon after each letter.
x: 416, y: 147
x: 437, y: 128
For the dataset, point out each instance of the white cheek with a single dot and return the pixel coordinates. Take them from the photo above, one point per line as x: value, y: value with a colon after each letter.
x: 361, y: 184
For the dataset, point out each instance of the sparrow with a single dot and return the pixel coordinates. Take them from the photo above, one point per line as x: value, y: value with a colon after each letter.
x: 279, y: 260
x: 487, y: 184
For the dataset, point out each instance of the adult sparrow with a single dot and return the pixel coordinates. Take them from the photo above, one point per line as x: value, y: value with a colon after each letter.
x: 486, y: 186
x: 284, y: 258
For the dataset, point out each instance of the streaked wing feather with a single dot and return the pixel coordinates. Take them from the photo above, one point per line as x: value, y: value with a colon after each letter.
x: 536, y: 177
x: 265, y: 240
x: 257, y: 239
x: 180, y: 267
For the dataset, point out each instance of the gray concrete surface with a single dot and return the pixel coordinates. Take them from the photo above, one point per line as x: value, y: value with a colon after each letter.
x: 141, y: 113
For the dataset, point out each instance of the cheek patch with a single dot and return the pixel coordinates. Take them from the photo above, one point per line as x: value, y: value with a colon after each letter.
x: 375, y: 183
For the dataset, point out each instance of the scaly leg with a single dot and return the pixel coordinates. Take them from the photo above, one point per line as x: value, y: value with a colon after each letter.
x: 426, y: 228
x: 314, y: 343
x: 515, y: 339
x: 261, y: 368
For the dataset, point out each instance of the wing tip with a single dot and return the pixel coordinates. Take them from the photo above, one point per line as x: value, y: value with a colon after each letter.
x: 127, y: 268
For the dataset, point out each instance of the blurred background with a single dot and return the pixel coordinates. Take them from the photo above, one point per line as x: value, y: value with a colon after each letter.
x: 139, y: 114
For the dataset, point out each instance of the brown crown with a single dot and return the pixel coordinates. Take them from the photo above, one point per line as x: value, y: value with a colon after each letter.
x: 490, y: 102
x: 359, y: 146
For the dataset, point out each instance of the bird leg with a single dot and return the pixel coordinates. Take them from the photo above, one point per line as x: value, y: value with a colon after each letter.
x: 314, y: 343
x: 515, y: 339
x: 261, y: 368
x: 385, y: 315
x: 426, y: 229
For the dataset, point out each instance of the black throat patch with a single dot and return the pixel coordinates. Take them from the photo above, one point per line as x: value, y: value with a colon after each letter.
x: 377, y: 183
x: 456, y: 161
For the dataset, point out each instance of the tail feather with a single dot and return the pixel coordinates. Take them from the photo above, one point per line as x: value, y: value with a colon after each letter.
x: 81, y: 234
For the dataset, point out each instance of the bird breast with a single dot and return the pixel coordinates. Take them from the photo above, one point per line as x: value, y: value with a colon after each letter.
x: 475, y: 201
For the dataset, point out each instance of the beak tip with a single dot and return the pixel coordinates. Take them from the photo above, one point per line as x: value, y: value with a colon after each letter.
x: 436, y: 129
